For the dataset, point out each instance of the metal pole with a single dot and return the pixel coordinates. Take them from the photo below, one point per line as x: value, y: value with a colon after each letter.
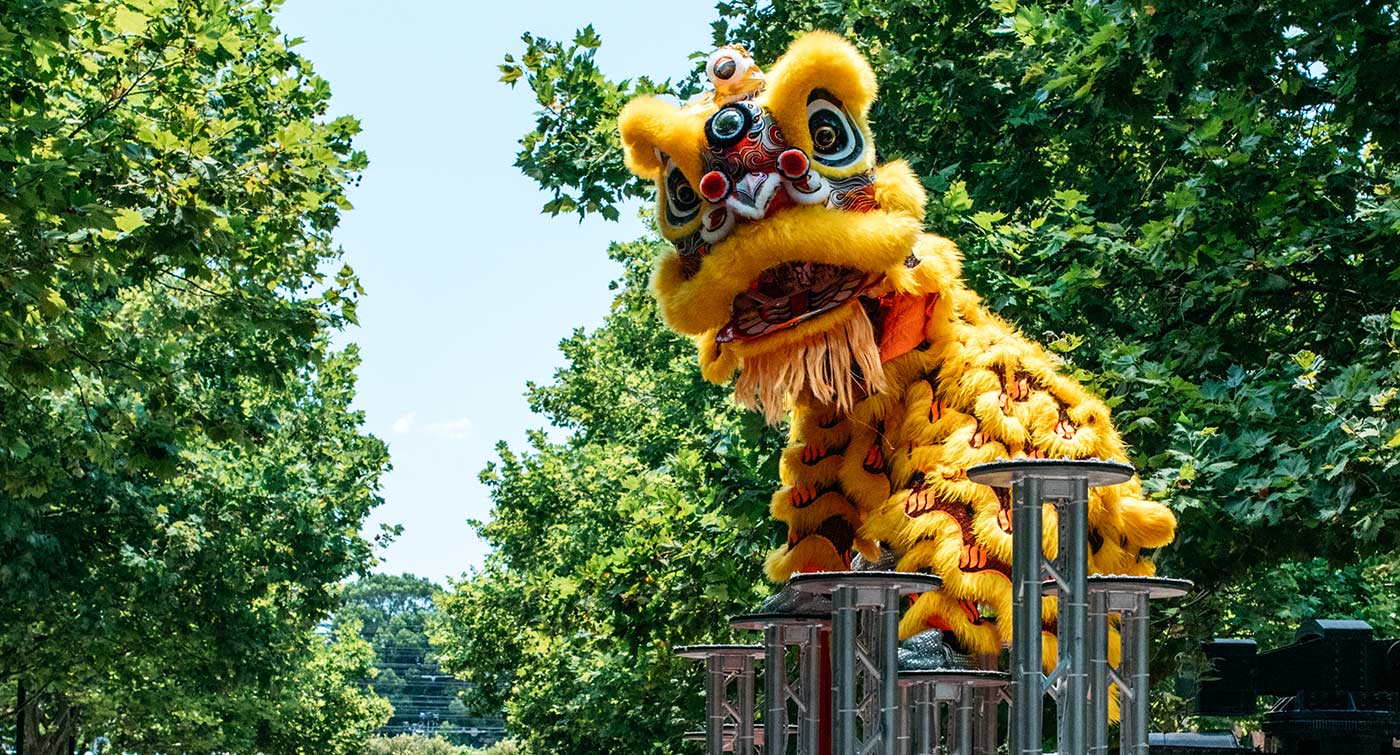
x: 965, y: 704
x: 845, y: 618
x: 888, y: 648
x: 984, y: 738
x: 714, y: 705
x: 743, y: 735
x: 925, y: 711
x: 1072, y: 563
x: 1026, y: 674
x: 775, y: 681
x: 906, y: 714
x: 1133, y: 709
x: 826, y: 744
x: 1098, y: 689
x: 811, y: 661
x: 940, y: 730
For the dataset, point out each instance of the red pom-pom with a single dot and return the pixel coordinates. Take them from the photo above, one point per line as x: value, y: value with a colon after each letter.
x: 714, y: 186
x: 793, y: 163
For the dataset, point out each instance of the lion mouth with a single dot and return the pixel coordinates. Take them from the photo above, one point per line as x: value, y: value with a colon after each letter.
x: 787, y: 294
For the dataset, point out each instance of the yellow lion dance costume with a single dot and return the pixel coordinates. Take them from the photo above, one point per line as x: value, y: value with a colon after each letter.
x: 803, y: 266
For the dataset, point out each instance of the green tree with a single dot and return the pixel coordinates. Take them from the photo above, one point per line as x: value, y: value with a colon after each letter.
x: 641, y: 531
x: 413, y: 744
x: 417, y: 744
x: 394, y: 613
x: 323, y: 709
x: 182, y: 478
x: 1194, y: 204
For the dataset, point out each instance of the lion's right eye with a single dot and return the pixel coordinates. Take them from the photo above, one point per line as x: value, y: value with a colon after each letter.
x: 682, y: 203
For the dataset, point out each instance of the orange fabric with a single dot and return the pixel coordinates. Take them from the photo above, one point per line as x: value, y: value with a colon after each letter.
x: 903, y: 323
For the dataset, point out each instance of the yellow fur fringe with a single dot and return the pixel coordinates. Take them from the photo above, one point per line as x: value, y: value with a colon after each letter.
x: 840, y: 366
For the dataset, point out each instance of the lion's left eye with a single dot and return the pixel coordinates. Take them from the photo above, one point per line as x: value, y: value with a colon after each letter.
x: 836, y: 142
x: 682, y: 203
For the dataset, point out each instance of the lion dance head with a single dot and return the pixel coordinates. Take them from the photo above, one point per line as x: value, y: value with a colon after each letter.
x: 786, y: 231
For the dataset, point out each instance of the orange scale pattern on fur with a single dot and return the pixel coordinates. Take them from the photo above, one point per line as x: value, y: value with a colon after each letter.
x: 895, y: 466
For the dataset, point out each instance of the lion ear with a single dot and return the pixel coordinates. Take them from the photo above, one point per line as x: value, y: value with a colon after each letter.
x: 639, y: 122
x: 819, y: 61
x: 653, y: 130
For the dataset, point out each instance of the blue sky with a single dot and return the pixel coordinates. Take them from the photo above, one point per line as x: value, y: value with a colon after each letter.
x: 469, y: 288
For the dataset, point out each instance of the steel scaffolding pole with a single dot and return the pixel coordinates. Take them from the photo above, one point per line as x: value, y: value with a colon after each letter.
x: 864, y: 653
x: 792, y: 702
x: 729, y: 695
x: 1065, y: 485
x: 1129, y: 598
x: 967, y: 693
x: 1098, y: 687
x: 1027, y: 696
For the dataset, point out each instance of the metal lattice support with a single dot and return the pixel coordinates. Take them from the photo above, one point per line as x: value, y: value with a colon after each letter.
x: 729, y: 695
x: 792, y: 712
x: 864, y: 654
x: 972, y: 697
x: 1065, y: 485
x: 924, y: 719
x: 985, y: 739
x: 1129, y: 598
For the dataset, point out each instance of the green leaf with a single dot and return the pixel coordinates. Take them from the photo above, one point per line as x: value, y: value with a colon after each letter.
x: 128, y: 21
x: 128, y: 220
x: 956, y: 198
x: 1069, y: 199
x: 588, y: 38
x: 51, y: 302
x: 986, y: 220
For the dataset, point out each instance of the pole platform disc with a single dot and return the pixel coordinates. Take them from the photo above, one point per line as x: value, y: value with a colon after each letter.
x: 826, y: 582
x: 761, y: 621
x: 721, y: 651
x: 1000, y: 474
x: 1122, y: 584
x: 963, y: 677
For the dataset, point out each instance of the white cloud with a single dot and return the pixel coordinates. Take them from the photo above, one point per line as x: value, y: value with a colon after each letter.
x: 445, y: 429
x: 403, y: 425
x: 451, y: 429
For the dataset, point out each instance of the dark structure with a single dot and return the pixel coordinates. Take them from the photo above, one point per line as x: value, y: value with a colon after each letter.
x: 1191, y: 743
x: 1338, y: 690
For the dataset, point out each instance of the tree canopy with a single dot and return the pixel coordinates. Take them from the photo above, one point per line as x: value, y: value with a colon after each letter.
x: 1193, y: 204
x: 394, y: 613
x: 182, y: 477
x: 639, y: 532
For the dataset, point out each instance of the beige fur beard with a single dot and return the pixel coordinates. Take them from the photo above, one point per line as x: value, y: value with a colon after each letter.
x: 840, y: 366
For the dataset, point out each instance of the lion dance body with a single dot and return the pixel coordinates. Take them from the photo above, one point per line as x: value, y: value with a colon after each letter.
x: 802, y: 265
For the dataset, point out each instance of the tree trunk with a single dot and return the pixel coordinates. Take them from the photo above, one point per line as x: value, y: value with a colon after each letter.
x: 50, y: 723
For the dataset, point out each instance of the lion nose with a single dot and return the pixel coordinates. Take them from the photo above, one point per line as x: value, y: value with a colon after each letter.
x: 752, y: 194
x: 715, y: 186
